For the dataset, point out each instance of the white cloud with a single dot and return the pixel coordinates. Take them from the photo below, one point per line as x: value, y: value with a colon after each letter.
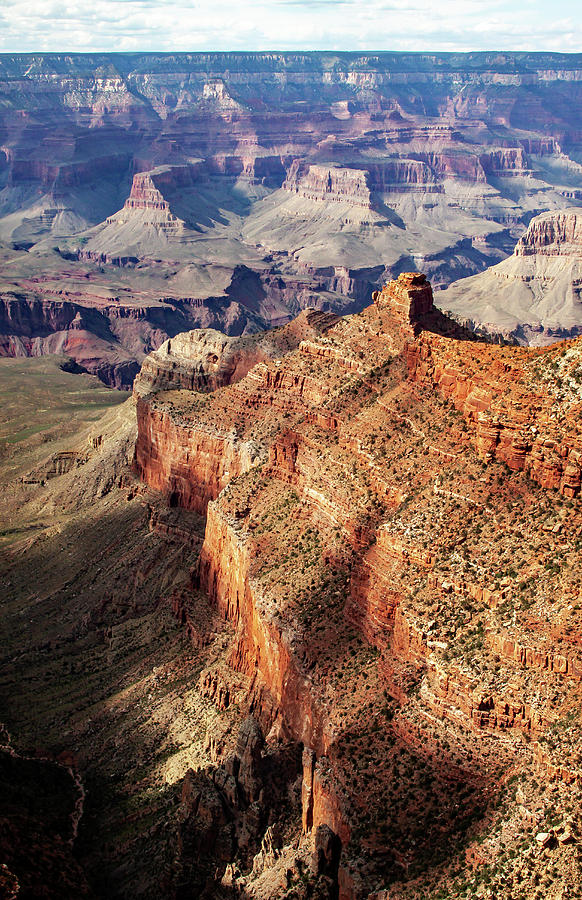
x: 101, y: 25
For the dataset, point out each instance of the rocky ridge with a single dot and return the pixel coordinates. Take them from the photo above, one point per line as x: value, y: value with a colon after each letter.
x: 559, y: 234
x: 380, y: 560
x: 145, y: 195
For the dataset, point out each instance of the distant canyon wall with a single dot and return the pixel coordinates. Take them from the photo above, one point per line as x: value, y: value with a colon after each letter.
x: 255, y: 113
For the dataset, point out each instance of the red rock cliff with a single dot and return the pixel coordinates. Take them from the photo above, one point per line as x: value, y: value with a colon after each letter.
x: 190, y: 464
x: 359, y: 561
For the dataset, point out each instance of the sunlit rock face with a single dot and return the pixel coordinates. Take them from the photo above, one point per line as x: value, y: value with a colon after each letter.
x: 314, y: 595
x: 553, y: 234
x: 400, y: 464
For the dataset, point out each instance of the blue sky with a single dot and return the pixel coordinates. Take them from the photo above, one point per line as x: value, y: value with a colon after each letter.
x: 103, y: 25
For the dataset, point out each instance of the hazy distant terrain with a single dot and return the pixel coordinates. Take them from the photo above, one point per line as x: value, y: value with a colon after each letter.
x: 145, y: 194
x: 534, y: 296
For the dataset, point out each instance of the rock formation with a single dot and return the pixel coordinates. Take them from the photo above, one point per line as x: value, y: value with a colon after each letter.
x: 534, y: 296
x: 409, y: 298
x: 375, y: 559
x: 205, y: 360
x: 556, y: 234
x: 322, y: 639
x: 330, y: 183
x: 145, y: 195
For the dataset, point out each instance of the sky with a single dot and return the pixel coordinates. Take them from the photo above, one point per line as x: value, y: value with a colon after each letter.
x: 188, y: 25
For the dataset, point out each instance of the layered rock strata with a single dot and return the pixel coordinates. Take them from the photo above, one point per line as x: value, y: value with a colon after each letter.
x: 555, y: 234
x: 332, y: 183
x: 523, y: 430
x: 206, y: 359
x: 149, y: 195
x: 369, y: 555
x: 291, y: 165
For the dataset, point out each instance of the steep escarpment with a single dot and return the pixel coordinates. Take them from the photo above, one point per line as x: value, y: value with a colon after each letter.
x: 333, y: 183
x: 514, y: 405
x: 225, y: 574
x: 191, y: 464
x: 197, y: 360
x: 148, y: 188
x: 205, y: 360
x: 150, y: 217
x: 506, y: 161
x: 33, y: 326
x: 398, y: 563
x: 107, y: 333
x: 193, y: 460
x: 363, y: 185
x: 146, y: 195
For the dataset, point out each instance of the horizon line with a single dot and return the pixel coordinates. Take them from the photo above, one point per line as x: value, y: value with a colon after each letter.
x: 369, y: 52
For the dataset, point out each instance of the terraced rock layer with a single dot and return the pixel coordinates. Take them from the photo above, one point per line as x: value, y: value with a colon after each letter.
x: 398, y: 563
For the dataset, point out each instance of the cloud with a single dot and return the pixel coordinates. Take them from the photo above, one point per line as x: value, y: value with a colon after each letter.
x: 180, y: 25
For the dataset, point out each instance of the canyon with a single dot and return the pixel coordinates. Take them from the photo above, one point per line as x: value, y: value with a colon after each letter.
x: 143, y: 195
x: 306, y: 615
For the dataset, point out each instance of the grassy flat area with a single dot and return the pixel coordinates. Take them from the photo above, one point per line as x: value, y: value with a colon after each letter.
x: 41, y: 406
x: 37, y: 395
